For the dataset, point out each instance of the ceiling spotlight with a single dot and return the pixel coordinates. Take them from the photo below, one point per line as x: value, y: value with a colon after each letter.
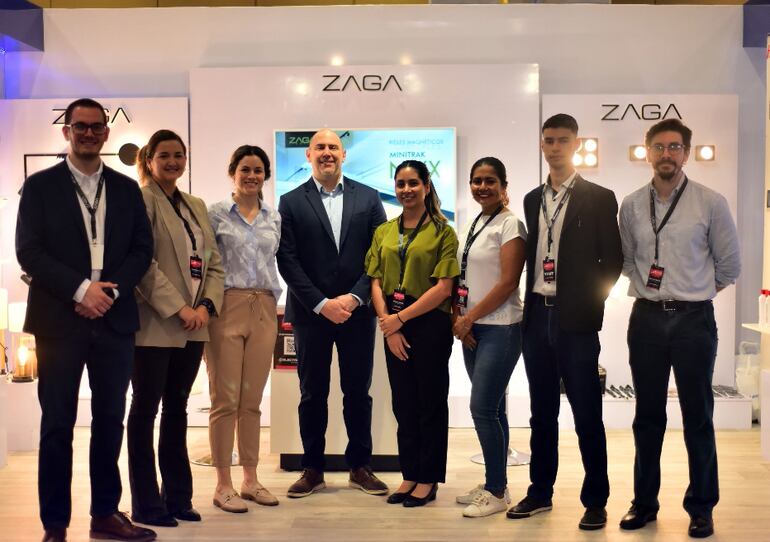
x: 705, y: 153
x: 637, y: 153
x: 587, y: 154
x: 337, y: 60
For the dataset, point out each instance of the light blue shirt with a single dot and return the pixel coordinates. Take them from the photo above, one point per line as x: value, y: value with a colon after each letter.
x: 248, y: 249
x: 332, y: 202
x: 698, y: 247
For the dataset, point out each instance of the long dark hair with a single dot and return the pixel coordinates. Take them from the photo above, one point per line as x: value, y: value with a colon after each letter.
x: 148, y: 151
x: 249, y: 150
x: 432, y: 201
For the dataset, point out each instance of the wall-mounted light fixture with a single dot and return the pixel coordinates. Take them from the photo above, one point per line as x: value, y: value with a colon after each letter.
x: 705, y: 153
x: 637, y: 153
x: 587, y: 155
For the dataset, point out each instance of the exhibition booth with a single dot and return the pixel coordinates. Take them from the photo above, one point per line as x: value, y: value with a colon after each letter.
x: 443, y: 84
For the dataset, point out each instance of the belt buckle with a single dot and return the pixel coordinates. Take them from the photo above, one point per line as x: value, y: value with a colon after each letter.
x: 545, y: 301
x: 669, y: 305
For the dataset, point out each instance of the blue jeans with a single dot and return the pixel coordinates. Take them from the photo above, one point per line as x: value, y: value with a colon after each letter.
x: 490, y: 367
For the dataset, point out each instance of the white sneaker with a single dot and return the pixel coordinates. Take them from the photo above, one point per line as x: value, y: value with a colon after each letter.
x: 485, y: 504
x: 468, y: 497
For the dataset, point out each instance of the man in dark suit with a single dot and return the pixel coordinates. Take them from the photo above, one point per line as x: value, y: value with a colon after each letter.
x: 83, y: 236
x: 327, y: 227
x: 573, y: 259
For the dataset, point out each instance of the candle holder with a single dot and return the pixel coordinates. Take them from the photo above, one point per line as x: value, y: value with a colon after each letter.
x: 25, y: 368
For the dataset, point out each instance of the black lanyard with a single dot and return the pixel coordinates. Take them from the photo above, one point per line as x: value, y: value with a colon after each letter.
x: 403, y: 248
x: 90, y: 208
x: 654, y: 220
x: 472, y: 237
x: 174, y: 203
x: 549, y: 224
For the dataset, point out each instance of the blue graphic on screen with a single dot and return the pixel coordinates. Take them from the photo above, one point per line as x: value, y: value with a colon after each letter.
x: 372, y: 157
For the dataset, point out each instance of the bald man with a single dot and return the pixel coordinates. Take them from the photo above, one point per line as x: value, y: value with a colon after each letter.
x: 327, y: 227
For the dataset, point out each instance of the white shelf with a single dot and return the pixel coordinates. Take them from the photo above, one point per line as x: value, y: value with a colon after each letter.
x: 758, y: 328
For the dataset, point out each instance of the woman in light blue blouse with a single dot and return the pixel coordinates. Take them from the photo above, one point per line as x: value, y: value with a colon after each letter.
x: 239, y: 355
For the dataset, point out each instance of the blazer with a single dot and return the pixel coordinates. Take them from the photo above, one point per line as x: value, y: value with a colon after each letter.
x: 165, y: 288
x: 53, y: 248
x: 590, y: 256
x: 308, y: 258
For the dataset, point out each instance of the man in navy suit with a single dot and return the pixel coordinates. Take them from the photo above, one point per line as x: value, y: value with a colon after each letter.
x: 327, y: 227
x: 83, y: 236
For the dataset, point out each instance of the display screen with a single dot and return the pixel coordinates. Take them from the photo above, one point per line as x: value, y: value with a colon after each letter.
x: 372, y: 157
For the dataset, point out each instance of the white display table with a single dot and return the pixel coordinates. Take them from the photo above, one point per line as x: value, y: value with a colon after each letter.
x: 24, y: 420
x: 3, y: 421
x: 764, y: 394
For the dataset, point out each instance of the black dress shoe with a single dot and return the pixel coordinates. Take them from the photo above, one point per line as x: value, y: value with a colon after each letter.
x: 637, y: 517
x: 411, y: 501
x: 190, y: 514
x: 163, y: 520
x: 55, y: 534
x: 701, y: 527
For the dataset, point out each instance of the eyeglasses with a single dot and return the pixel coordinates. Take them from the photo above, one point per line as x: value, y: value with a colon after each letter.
x: 673, y: 148
x: 80, y: 128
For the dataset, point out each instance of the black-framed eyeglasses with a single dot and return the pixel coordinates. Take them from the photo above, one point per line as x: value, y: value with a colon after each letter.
x: 80, y: 128
x: 673, y: 148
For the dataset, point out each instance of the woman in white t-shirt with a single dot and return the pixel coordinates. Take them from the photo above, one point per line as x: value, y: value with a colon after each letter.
x: 488, y: 312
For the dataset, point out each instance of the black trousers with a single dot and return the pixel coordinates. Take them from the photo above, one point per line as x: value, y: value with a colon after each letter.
x: 686, y: 341
x: 551, y: 353
x: 355, y: 353
x: 167, y: 375
x: 419, y: 388
x: 108, y: 356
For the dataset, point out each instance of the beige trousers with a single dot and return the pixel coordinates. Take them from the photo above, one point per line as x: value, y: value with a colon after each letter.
x: 238, y: 358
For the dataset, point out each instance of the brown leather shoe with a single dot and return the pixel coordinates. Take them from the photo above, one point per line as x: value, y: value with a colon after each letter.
x: 364, y: 479
x: 57, y: 534
x: 312, y: 480
x: 119, y: 527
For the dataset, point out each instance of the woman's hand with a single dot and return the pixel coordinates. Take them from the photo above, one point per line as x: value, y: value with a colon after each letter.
x: 390, y: 324
x: 398, y: 345
x: 469, y: 341
x: 461, y: 327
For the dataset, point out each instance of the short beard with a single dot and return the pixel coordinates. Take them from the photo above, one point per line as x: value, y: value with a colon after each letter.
x: 668, y: 176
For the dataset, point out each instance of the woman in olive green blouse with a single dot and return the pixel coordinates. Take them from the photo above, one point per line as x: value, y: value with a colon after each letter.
x: 413, y: 263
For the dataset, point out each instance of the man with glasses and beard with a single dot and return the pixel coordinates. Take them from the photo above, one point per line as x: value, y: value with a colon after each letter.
x: 83, y: 236
x: 680, y: 248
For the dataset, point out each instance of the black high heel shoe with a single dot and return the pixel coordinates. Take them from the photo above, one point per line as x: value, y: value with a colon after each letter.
x: 411, y: 501
x: 398, y: 498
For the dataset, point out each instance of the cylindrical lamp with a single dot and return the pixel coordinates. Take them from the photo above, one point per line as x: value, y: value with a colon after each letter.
x: 16, y: 314
x: 26, y: 360
x: 3, y: 327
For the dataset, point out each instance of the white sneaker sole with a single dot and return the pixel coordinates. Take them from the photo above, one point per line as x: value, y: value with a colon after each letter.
x: 356, y: 485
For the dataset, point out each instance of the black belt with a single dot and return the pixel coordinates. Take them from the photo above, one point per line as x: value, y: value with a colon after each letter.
x: 672, y: 305
x: 548, y: 300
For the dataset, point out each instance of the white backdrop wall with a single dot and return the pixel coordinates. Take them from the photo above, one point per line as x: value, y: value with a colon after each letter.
x: 581, y: 49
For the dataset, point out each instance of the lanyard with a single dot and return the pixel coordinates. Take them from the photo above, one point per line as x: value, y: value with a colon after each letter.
x: 549, y: 223
x: 472, y: 237
x: 654, y: 221
x: 174, y: 204
x: 403, y: 248
x: 90, y: 208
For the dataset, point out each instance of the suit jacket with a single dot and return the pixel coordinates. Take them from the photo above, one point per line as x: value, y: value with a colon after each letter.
x: 308, y: 258
x: 53, y: 248
x: 165, y: 288
x: 590, y: 256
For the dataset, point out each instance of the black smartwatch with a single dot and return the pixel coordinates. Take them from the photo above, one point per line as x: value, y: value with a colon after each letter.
x: 206, y: 302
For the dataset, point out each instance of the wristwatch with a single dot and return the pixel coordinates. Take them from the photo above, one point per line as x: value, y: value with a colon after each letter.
x: 206, y: 302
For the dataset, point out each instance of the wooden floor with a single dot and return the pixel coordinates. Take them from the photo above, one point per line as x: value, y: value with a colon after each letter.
x: 341, y: 514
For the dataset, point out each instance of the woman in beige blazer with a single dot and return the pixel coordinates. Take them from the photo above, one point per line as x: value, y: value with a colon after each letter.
x: 181, y: 291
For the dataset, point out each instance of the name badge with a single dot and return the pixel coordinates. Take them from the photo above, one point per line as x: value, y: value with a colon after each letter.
x: 462, y: 296
x: 549, y: 269
x: 655, y: 277
x: 97, y: 257
x: 196, y: 267
x: 399, y: 300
